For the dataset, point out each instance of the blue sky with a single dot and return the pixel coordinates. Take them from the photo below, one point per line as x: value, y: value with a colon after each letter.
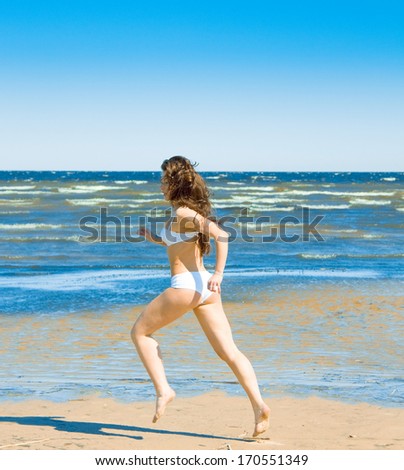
x: 251, y: 85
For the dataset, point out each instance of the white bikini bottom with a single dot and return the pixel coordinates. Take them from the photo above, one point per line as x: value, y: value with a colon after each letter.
x: 194, y: 280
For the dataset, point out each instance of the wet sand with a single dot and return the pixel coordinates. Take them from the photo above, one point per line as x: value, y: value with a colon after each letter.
x: 208, y: 422
x: 335, y: 341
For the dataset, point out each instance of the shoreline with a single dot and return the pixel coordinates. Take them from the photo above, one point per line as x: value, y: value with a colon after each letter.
x: 211, y: 421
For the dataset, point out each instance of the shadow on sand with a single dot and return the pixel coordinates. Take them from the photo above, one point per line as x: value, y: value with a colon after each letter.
x: 101, y: 429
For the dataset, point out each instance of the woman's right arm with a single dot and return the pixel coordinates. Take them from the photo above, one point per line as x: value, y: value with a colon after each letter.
x: 221, y: 237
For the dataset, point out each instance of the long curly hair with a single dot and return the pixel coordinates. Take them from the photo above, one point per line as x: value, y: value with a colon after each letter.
x: 186, y: 187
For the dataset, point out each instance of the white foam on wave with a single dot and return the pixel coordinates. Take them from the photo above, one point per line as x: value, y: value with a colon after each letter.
x: 105, y: 279
x: 28, y: 193
x: 369, y: 202
x: 92, y: 201
x: 47, y: 238
x: 263, y: 177
x: 73, y: 191
x: 111, y: 202
x: 275, y: 199
x: 388, y: 179
x: 89, y: 189
x: 338, y: 230
x: 30, y: 226
x: 110, y: 279
x: 254, y: 207
x: 327, y: 207
x: 341, y: 193
x: 16, y: 202
x: 139, y: 203
x: 17, y: 188
x: 131, y: 182
x: 13, y: 212
x: 270, y: 200
x: 244, y: 188
x: 216, y: 177
x: 365, y: 273
x: 261, y: 207
x: 372, y: 235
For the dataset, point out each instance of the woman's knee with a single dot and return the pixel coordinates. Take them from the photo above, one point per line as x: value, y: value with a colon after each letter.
x: 228, y: 355
x: 137, y: 331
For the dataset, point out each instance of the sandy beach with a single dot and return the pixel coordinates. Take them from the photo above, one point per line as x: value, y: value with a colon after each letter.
x: 208, y: 422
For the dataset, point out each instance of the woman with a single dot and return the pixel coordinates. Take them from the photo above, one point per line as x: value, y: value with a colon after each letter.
x: 186, y: 236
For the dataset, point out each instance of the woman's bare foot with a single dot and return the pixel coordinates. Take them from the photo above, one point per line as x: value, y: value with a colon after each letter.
x: 261, y: 420
x: 161, y: 402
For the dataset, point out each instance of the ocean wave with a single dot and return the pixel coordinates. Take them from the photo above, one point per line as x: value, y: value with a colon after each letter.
x: 326, y: 206
x: 216, y: 177
x: 30, y: 226
x: 227, y: 205
x: 369, y: 202
x: 263, y: 177
x: 244, y: 188
x: 351, y: 255
x: 317, y: 256
x: 13, y: 212
x: 23, y: 239
x: 109, y: 279
x: 28, y: 193
x: 340, y: 193
x: 17, y: 188
x: 112, y: 202
x: 355, y: 273
x: 377, y: 256
x: 275, y: 199
x: 388, y: 179
x: 131, y: 182
x: 338, y: 230
x: 372, y: 235
x: 401, y: 209
x: 74, y: 191
x: 269, y: 199
x: 233, y: 205
x: 16, y: 202
x: 258, y: 208
x: 89, y: 189
x: 90, y: 202
x: 355, y: 234
x: 78, y: 281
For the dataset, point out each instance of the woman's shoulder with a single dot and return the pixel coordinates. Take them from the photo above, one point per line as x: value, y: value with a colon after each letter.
x: 184, y: 212
x: 189, y: 217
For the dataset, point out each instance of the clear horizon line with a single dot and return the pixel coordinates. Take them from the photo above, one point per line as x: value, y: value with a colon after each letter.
x: 208, y: 171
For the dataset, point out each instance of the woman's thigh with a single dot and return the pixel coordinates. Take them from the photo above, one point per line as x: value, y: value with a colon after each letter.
x: 166, y: 308
x: 216, y: 326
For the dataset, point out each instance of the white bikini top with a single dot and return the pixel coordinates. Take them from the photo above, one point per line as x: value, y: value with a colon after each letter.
x: 171, y: 238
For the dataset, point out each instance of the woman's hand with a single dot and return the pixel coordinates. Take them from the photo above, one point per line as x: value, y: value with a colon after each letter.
x: 144, y: 232
x: 214, y: 282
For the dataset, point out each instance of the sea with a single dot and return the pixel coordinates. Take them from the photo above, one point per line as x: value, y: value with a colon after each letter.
x: 70, y: 249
